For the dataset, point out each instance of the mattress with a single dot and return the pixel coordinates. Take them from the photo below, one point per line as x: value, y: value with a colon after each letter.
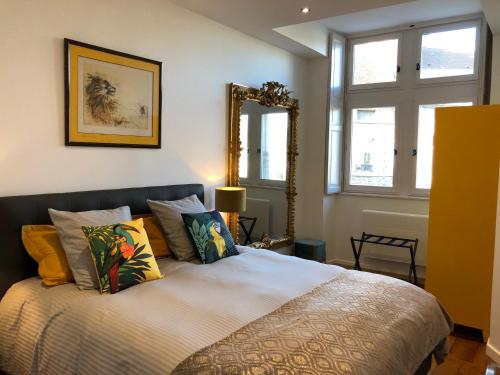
x: 152, y: 327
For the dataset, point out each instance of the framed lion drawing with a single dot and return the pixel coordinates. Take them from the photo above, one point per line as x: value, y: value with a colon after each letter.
x: 112, y: 98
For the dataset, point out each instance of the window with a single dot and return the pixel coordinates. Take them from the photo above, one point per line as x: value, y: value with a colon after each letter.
x: 448, y: 53
x: 372, y: 146
x: 389, y: 120
x: 274, y: 140
x: 375, y: 62
x: 424, y: 142
x: 264, y: 146
x: 243, y: 167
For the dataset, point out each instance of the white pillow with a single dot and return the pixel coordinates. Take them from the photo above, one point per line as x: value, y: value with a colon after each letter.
x: 75, y: 245
x: 168, y: 214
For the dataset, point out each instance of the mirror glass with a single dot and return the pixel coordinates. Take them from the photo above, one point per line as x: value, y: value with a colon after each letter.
x: 264, y: 137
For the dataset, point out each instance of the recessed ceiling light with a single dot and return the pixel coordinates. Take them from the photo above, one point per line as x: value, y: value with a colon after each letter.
x: 305, y: 10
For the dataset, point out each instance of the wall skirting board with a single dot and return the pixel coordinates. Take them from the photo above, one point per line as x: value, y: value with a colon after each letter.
x: 492, y: 352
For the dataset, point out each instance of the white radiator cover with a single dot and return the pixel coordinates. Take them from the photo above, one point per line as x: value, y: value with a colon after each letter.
x: 397, y: 224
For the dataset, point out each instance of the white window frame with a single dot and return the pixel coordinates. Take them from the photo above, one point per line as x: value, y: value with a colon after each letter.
x: 263, y: 182
x: 254, y: 171
x: 450, y: 27
x: 406, y: 97
x: 370, y: 103
x: 245, y: 179
x: 336, y: 97
x: 350, y: 62
x: 440, y: 99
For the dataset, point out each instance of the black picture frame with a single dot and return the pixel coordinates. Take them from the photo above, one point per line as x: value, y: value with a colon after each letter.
x: 68, y: 43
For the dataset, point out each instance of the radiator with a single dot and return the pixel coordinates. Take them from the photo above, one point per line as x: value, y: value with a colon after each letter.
x: 259, y: 208
x: 396, y: 224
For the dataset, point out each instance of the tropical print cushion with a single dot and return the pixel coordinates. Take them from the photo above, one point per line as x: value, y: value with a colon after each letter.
x: 210, y: 236
x: 122, y: 255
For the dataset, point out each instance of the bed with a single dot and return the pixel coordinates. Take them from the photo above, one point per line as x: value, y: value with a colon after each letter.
x: 258, y: 312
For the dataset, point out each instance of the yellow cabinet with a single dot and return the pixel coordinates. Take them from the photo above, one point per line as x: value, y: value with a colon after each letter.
x: 462, y: 212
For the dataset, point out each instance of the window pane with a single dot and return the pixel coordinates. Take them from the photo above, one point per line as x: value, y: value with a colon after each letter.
x: 372, y: 146
x: 274, y: 140
x: 244, y: 146
x: 335, y: 144
x: 448, y: 53
x: 335, y: 141
x: 375, y: 62
x: 425, y: 142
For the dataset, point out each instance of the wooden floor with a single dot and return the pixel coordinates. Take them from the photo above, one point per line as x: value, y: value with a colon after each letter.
x: 467, y: 357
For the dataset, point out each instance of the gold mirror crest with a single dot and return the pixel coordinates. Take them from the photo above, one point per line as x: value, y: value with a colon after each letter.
x: 273, y: 93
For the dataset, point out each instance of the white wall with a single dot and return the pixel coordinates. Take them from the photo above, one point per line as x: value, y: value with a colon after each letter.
x: 313, y: 35
x: 493, y: 347
x: 343, y: 219
x: 312, y: 158
x: 200, y: 57
x: 495, y: 74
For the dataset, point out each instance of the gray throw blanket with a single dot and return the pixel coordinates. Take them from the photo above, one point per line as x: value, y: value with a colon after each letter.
x: 356, y: 323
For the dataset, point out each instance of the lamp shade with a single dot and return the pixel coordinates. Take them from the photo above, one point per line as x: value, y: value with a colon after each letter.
x: 231, y: 199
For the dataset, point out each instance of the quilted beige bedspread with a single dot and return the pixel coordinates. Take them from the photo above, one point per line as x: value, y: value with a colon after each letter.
x: 356, y: 323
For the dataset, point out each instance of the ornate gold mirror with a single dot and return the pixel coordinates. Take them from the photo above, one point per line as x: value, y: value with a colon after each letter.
x: 262, y: 158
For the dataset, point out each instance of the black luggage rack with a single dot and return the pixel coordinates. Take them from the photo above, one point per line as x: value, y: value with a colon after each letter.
x: 376, y: 239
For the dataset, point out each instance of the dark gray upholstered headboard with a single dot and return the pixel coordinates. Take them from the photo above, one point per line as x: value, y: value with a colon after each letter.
x: 16, y: 264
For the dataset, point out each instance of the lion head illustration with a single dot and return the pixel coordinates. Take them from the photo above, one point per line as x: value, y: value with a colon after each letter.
x: 100, y: 99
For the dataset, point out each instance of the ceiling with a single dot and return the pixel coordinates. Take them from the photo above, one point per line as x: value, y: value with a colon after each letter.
x: 281, y: 22
x: 400, y: 14
x: 258, y: 18
x: 492, y: 13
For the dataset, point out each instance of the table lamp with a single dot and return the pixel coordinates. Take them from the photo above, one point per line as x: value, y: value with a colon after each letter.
x: 232, y: 200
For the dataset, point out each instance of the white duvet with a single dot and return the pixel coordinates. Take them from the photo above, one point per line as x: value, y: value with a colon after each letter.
x: 152, y: 327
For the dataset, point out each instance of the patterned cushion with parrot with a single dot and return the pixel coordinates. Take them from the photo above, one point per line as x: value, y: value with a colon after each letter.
x: 122, y: 255
x: 210, y: 236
